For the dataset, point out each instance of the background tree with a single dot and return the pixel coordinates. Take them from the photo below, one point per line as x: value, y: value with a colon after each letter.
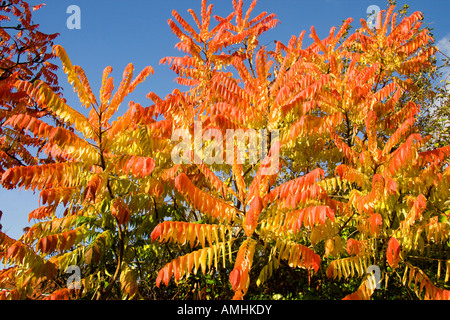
x: 25, y: 54
x: 436, y: 121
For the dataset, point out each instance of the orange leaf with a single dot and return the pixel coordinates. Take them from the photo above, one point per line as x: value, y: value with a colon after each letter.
x: 354, y: 246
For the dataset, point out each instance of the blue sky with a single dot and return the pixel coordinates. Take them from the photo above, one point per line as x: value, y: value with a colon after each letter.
x: 115, y: 33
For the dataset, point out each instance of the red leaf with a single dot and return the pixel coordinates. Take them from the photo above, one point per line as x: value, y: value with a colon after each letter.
x: 353, y: 246
x: 391, y: 186
x: 7, y: 178
x: 168, y: 271
x: 12, y: 251
x: 120, y: 210
x: 393, y: 252
x: 41, y: 212
x: 43, y: 244
x: 62, y: 294
x: 156, y: 232
x: 375, y: 222
x: 159, y: 277
x: 37, y: 7
x: 251, y: 218
x: 235, y: 278
x: 420, y: 203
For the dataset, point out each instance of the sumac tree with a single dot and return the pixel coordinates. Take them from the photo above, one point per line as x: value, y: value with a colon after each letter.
x: 354, y: 188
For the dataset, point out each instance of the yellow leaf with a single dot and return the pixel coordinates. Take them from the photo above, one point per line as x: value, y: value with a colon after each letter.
x: 197, y: 256
x: 447, y: 273
x: 216, y: 253
x: 224, y: 253
x: 210, y: 254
